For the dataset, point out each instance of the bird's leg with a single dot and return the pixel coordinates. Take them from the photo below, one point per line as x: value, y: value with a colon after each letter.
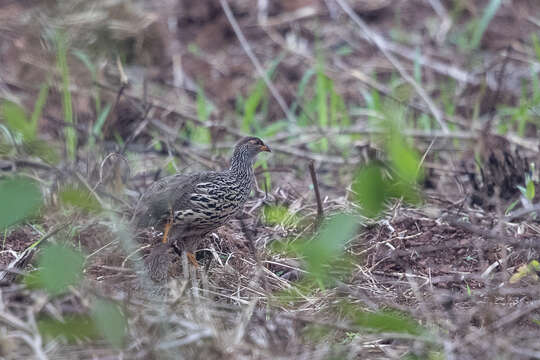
x: 166, y: 232
x: 189, y: 255
x: 167, y: 228
x: 192, y: 259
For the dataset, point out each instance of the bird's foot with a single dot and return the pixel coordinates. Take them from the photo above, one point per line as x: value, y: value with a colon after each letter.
x: 192, y: 259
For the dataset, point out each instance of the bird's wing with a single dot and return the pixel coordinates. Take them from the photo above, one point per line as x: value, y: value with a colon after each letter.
x: 156, y: 202
x: 170, y: 194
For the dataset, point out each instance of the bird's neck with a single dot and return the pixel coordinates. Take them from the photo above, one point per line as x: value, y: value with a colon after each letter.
x: 242, y: 167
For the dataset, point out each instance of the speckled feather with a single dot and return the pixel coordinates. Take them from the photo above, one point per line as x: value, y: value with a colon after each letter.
x: 201, y: 202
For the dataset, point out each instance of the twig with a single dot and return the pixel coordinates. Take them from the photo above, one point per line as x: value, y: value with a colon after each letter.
x: 379, y: 42
x: 320, y: 211
x: 255, y: 61
x: 110, y: 156
x: 440, y: 67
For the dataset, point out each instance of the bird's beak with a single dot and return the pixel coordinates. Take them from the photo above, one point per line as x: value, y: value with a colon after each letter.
x: 264, y: 148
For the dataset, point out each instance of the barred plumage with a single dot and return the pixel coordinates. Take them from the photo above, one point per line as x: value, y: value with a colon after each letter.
x: 199, y: 203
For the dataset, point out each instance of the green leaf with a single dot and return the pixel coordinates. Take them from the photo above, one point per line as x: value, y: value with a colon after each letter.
x: 328, y: 246
x: 85, y: 59
x: 404, y: 159
x: 278, y: 214
x: 204, y: 108
x: 250, y: 107
x: 98, y: 125
x: 80, y: 198
x: 511, y: 207
x: 38, y: 107
x: 529, y: 270
x: 530, y: 191
x: 388, y: 321
x: 110, y: 322
x: 371, y: 189
x: 170, y: 167
x: 481, y: 27
x: 42, y: 149
x: 73, y: 328
x: 69, y: 131
x: 60, y: 267
x: 197, y: 133
x: 16, y: 119
x: 96, y: 130
x: 322, y: 83
x: 403, y: 92
x: 536, y: 46
x: 21, y: 198
x: 258, y: 99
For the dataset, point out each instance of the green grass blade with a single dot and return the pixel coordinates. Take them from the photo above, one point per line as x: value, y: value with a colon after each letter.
x: 85, y: 59
x: 322, y: 96
x: 480, y: 29
x: 251, y: 105
x: 69, y: 131
x: 96, y: 130
x: 98, y: 125
x: 38, y: 107
x: 536, y: 46
x: 258, y: 99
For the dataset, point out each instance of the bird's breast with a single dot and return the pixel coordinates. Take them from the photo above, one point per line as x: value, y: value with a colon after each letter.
x: 213, y: 206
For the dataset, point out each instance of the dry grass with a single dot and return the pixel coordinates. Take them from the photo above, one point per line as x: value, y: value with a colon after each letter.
x: 448, y: 266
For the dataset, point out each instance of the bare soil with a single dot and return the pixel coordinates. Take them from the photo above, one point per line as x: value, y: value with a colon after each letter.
x: 446, y: 262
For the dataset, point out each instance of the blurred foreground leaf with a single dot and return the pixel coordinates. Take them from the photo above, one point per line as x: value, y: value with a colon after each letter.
x: 72, y: 328
x: 110, y: 322
x: 376, y: 183
x: 16, y: 119
x: 371, y: 189
x: 43, y: 150
x: 62, y: 64
x: 387, y: 321
x: 106, y: 320
x: 404, y: 159
x: 328, y: 246
x: 20, y: 198
x: 59, y: 267
x: 80, y: 198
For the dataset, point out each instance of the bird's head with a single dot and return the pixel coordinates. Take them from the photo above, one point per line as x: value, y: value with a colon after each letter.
x: 251, y: 146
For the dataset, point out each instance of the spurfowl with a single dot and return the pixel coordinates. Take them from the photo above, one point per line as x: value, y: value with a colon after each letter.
x: 189, y: 206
